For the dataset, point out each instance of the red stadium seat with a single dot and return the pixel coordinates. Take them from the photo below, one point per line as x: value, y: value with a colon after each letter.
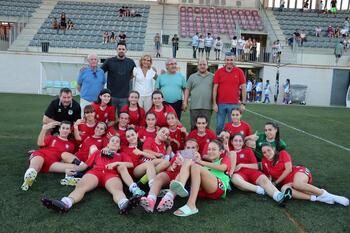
x: 197, y: 10
x: 183, y: 9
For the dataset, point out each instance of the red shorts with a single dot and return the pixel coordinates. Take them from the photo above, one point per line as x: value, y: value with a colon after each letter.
x: 250, y: 175
x: 290, y: 177
x: 172, y: 174
x: 49, y: 159
x: 102, y: 176
x: 215, y: 195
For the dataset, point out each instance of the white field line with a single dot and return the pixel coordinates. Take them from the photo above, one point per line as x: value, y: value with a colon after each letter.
x: 301, y: 131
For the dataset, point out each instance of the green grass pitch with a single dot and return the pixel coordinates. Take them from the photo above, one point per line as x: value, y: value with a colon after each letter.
x: 21, y: 211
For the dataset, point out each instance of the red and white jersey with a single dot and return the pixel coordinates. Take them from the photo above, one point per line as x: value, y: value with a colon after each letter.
x: 120, y: 132
x: 98, y: 162
x: 202, y: 140
x: 106, y: 115
x: 144, y: 134
x: 136, y: 159
x: 179, y: 136
x: 84, y: 149
x: 244, y: 128
x: 246, y: 156
x: 85, y: 130
x: 150, y: 144
x: 137, y: 117
x: 161, y: 115
x: 55, y: 146
x: 275, y: 171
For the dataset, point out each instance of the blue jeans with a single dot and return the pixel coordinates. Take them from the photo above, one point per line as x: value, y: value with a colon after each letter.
x: 223, y: 111
x: 118, y: 103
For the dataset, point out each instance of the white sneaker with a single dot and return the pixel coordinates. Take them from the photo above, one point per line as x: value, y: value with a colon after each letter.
x: 29, y: 178
x: 325, y: 197
x: 70, y: 181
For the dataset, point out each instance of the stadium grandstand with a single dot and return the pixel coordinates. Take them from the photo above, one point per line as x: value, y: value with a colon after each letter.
x: 29, y: 39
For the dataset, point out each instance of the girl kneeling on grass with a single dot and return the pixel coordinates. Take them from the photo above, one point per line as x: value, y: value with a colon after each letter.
x: 102, y: 173
x: 136, y: 113
x: 246, y: 176
x: 86, y: 126
x: 208, y: 178
x: 164, y: 179
x: 105, y: 111
x: 160, y: 108
x: 150, y: 130
x: 48, y: 158
x: 278, y: 166
x: 119, y: 128
x: 177, y: 134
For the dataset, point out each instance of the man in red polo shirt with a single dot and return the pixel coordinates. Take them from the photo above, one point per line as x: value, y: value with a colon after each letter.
x: 228, y: 81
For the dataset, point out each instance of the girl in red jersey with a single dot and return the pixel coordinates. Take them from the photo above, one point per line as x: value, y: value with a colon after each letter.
x: 119, y: 128
x: 177, y: 134
x: 105, y: 111
x: 151, y: 129
x: 202, y: 134
x: 208, y: 178
x: 85, y: 127
x: 136, y: 113
x: 104, y: 172
x: 160, y: 108
x: 246, y: 176
x: 97, y: 139
x: 237, y: 125
x: 278, y: 166
x: 48, y: 158
x: 152, y: 156
x: 164, y: 179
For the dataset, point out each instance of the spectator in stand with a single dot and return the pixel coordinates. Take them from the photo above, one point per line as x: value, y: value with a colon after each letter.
x: 157, y: 44
x: 282, y: 4
x: 279, y: 51
x: 334, y: 7
x: 228, y: 81
x: 195, y: 42
x: 240, y: 47
x: 246, y: 49
x: 296, y: 37
x: 338, y: 51
x: 63, y: 23
x: 320, y: 8
x: 253, y: 50
x: 112, y: 37
x: 330, y: 31
x: 337, y: 32
x: 90, y: 82
x: 175, y: 44
x: 121, y: 11
x: 259, y: 90
x: 274, y: 51
x: 318, y: 31
x: 218, y: 45
x: 302, y: 37
x: 122, y: 37
x: 208, y: 44
x: 105, y: 37
x: 172, y: 84
x: 127, y: 12
x: 200, y: 46
x: 234, y: 45
x: 132, y: 12
x: 249, y: 90
x: 197, y: 88
x: 120, y: 70
x: 55, y: 25
x: 144, y: 80
x: 70, y: 25
x: 306, y: 5
x: 346, y: 25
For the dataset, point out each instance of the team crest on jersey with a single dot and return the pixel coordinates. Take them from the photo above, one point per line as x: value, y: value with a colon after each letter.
x: 99, y: 140
x: 67, y: 146
x: 221, y: 186
x: 59, y: 110
x: 208, y: 140
x: 241, y: 156
x: 106, y: 115
x: 242, y: 132
x: 70, y: 112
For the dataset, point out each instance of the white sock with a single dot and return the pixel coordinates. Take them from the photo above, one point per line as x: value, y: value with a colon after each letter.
x: 122, y: 203
x: 313, y: 198
x: 150, y: 182
x: 169, y: 196
x: 277, y: 196
x: 152, y: 196
x: 340, y: 199
x: 82, y: 163
x: 68, y: 201
x: 132, y: 187
x: 260, y: 190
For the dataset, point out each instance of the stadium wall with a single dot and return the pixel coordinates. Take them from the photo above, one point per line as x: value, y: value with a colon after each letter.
x: 25, y: 73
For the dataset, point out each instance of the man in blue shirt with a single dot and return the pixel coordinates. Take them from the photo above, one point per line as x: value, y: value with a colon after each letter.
x: 195, y: 42
x: 172, y: 84
x: 90, y: 82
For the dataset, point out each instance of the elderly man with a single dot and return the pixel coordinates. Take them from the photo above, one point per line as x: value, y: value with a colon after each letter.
x: 90, y: 82
x: 172, y: 85
x: 120, y: 72
x: 199, y: 88
x: 228, y: 81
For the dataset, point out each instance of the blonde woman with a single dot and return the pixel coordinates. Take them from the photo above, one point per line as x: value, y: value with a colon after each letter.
x: 144, y: 80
